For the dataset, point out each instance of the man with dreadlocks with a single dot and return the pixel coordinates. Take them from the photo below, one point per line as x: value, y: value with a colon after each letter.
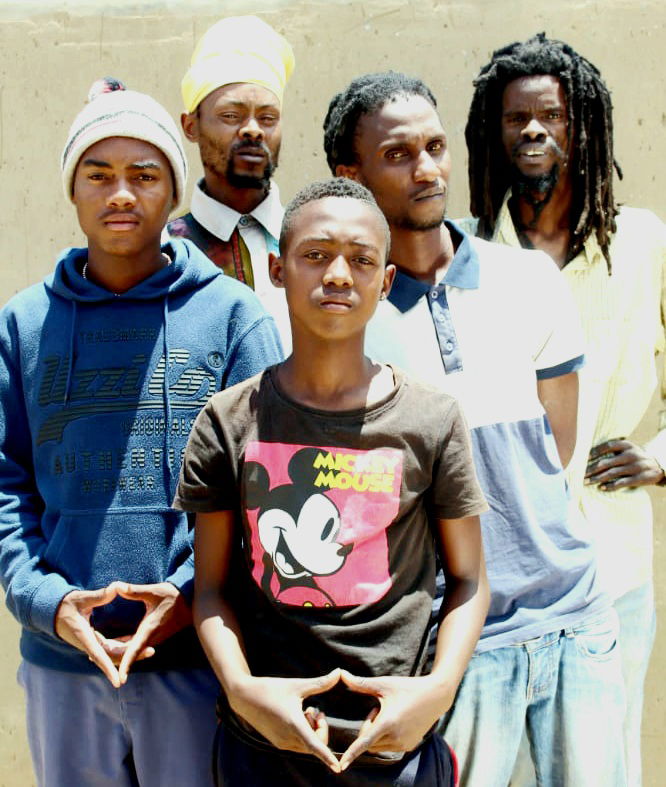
x: 540, y: 140
x: 497, y: 328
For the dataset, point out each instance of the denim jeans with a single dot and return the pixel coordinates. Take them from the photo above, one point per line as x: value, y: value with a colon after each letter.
x: 155, y: 731
x: 637, y: 631
x: 565, y: 688
x: 637, y: 618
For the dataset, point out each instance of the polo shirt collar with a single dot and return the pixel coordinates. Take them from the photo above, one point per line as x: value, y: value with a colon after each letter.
x: 221, y: 220
x: 505, y: 233
x: 463, y: 272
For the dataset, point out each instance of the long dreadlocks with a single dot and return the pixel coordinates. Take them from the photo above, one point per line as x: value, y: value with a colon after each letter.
x: 590, y: 132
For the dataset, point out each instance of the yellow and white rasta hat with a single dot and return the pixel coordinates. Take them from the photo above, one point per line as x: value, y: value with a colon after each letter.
x: 237, y: 49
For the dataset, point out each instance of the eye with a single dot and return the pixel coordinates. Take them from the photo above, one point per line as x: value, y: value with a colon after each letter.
x: 315, y: 256
x: 229, y: 117
x: 395, y: 154
x: 363, y: 260
x: 436, y: 146
x: 268, y: 120
x: 555, y: 114
x: 146, y: 177
x: 97, y: 176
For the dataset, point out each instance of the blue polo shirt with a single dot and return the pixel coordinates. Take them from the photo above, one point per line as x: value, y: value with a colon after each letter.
x: 499, y: 320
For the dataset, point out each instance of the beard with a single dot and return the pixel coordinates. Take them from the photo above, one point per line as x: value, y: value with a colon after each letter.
x: 251, y: 181
x: 535, y: 189
x: 214, y: 161
x: 417, y: 225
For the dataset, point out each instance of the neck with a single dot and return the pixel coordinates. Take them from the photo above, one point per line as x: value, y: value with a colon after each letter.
x: 424, y: 254
x: 331, y: 375
x: 547, y: 225
x: 118, y: 273
x: 243, y: 200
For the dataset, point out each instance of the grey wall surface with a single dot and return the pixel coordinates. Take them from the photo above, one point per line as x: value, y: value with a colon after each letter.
x: 50, y: 53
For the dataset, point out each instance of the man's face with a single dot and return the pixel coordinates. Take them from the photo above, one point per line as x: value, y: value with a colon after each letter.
x: 333, y: 267
x: 123, y: 193
x: 237, y: 128
x: 403, y: 158
x: 535, y: 131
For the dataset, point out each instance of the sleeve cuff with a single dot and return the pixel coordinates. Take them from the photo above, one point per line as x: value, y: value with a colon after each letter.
x: 561, y: 369
x: 46, y: 600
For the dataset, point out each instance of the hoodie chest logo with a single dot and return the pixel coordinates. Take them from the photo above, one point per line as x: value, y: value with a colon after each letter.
x: 106, y: 390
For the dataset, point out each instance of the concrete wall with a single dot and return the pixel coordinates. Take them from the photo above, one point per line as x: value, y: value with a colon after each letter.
x: 50, y: 52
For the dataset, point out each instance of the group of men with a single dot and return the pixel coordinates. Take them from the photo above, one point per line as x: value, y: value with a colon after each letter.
x: 552, y: 369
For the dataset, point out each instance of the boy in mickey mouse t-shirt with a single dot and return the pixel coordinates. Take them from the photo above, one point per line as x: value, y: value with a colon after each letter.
x: 337, y: 479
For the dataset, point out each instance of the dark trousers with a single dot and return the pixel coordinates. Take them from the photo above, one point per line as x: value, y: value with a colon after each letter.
x: 242, y: 761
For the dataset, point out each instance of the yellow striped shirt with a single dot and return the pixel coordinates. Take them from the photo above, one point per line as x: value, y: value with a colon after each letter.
x: 623, y: 322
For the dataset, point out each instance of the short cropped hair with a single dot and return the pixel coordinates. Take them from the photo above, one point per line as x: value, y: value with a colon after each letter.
x: 335, y: 187
x: 364, y: 96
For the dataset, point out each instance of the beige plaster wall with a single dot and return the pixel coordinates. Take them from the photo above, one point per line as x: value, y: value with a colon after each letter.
x: 50, y: 52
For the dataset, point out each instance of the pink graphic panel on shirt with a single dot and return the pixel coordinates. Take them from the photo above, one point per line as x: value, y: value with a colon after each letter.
x: 317, y: 518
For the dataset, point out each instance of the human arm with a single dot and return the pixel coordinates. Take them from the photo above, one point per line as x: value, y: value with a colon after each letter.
x: 620, y: 463
x: 410, y: 706
x: 272, y: 706
x: 559, y: 398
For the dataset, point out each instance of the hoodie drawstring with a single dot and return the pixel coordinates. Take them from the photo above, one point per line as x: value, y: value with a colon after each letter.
x: 168, y: 472
x: 70, y: 363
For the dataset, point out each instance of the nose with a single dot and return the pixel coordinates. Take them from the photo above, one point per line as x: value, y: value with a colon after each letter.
x: 534, y: 130
x: 338, y: 273
x: 251, y: 129
x: 426, y: 169
x: 122, y: 196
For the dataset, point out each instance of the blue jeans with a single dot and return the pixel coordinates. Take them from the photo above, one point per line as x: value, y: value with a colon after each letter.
x: 637, y: 631
x: 565, y: 688
x: 637, y: 618
x: 155, y: 731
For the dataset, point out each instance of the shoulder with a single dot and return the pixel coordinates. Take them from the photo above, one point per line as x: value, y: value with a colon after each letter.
x: 234, y: 400
x: 27, y: 306
x: 427, y: 399
x: 509, y: 263
x: 639, y: 225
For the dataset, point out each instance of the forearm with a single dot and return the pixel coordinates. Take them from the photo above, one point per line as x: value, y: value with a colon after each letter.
x: 464, y: 610
x: 220, y: 636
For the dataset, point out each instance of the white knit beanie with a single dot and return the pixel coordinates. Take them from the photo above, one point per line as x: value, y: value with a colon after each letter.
x: 123, y: 113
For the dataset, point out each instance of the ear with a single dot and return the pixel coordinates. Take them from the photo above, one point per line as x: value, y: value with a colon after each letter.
x: 348, y: 171
x: 276, y: 270
x: 389, y: 276
x: 190, y: 123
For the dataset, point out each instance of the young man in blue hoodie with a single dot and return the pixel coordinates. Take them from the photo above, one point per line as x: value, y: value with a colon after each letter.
x: 103, y: 368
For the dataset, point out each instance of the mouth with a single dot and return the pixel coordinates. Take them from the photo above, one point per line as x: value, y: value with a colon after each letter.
x: 121, y: 222
x: 430, y: 193
x: 335, y: 304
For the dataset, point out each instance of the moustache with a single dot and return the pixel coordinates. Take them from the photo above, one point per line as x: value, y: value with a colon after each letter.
x: 251, y: 143
x: 549, y: 145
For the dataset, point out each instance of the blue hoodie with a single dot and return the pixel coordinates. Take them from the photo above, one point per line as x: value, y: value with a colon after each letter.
x: 97, y: 396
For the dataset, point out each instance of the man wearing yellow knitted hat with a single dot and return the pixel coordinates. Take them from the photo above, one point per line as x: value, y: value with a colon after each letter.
x: 233, y: 99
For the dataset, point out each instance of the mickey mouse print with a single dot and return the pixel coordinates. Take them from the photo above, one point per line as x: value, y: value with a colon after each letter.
x: 317, y: 519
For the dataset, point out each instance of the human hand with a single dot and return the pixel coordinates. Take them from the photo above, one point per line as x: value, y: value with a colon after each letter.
x: 274, y: 707
x: 408, y: 708
x: 72, y: 624
x: 617, y: 464
x: 167, y: 612
x: 116, y: 647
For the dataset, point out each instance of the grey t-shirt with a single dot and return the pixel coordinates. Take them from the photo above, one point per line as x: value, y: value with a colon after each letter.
x: 338, y: 566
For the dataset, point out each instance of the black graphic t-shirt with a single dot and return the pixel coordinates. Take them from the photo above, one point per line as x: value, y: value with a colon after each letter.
x: 339, y: 557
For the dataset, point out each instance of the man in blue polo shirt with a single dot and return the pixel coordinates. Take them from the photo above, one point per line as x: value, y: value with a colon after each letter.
x: 495, y: 327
